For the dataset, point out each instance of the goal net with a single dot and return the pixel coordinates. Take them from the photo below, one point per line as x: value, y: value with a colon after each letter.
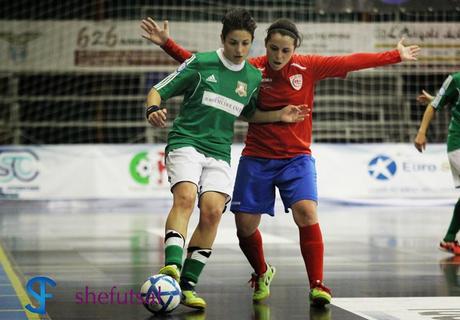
x: 78, y: 71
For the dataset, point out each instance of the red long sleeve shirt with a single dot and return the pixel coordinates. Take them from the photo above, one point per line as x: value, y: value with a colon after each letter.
x: 293, y: 84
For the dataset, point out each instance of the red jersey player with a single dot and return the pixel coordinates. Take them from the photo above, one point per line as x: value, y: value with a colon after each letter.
x: 279, y: 155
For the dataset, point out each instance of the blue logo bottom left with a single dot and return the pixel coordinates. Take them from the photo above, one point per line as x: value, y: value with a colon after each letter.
x: 40, y: 296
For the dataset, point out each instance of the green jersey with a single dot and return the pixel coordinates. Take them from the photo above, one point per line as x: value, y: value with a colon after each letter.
x: 215, y: 93
x: 450, y: 94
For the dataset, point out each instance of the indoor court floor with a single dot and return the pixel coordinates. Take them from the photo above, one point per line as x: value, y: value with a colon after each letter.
x: 381, y: 262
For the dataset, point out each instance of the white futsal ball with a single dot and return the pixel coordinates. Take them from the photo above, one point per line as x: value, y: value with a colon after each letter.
x: 160, y: 293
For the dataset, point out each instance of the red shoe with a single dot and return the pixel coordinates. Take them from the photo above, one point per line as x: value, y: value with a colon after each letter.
x: 452, y: 247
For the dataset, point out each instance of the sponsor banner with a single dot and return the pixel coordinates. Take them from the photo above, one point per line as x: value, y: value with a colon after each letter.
x: 20, y: 170
x: 83, y: 172
x: 383, y: 174
x: 118, y: 46
x: 439, y: 41
x: 390, y: 174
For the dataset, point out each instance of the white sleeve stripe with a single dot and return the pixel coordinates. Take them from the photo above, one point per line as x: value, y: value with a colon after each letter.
x: 166, y: 80
x: 197, y: 85
x: 169, y: 78
x: 253, y: 92
x: 441, y: 93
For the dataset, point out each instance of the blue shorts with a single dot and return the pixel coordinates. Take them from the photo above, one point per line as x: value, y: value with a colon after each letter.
x: 256, y: 179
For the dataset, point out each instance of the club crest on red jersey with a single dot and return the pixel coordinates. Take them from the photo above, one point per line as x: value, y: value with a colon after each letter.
x: 241, y: 89
x: 296, y: 81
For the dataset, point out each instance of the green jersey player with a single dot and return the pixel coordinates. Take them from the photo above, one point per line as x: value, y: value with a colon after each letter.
x: 218, y: 87
x: 448, y: 94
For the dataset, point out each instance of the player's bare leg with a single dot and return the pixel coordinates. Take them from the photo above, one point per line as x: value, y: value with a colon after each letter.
x: 212, y: 205
x: 184, y: 197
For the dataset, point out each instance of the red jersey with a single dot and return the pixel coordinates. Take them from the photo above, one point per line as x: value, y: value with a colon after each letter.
x: 293, y: 84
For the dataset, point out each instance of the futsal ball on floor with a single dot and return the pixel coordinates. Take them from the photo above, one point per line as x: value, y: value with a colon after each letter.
x: 160, y: 293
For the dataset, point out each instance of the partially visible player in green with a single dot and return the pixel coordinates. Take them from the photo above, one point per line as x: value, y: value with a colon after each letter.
x: 218, y: 87
x: 448, y: 94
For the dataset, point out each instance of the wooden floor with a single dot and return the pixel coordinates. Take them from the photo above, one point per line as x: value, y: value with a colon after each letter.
x: 381, y: 262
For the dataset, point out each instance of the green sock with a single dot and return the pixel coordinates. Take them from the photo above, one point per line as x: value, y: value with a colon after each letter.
x: 454, y: 226
x: 174, y: 248
x: 193, y: 266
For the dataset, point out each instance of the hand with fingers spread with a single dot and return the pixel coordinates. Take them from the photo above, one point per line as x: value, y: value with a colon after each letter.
x: 154, y: 33
x: 425, y: 98
x: 158, y: 118
x: 292, y: 113
x: 408, y: 53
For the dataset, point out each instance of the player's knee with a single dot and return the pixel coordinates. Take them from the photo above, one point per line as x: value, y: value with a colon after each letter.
x: 184, y: 201
x: 210, y: 216
x: 245, y: 227
x: 306, y: 213
x: 304, y: 216
x: 305, y: 208
x: 244, y: 231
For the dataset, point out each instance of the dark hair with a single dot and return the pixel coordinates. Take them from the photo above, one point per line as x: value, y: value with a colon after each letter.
x: 238, y: 19
x: 285, y: 27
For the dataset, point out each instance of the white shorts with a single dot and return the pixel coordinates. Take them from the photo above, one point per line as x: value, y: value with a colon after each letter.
x: 454, y: 161
x: 209, y: 174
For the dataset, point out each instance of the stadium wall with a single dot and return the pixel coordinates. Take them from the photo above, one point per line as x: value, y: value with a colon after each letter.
x: 380, y: 174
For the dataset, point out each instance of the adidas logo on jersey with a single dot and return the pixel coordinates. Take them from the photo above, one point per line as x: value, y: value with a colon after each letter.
x: 211, y: 78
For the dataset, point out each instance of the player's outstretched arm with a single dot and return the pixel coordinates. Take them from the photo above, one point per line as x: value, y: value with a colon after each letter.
x: 340, y: 66
x: 407, y: 53
x: 289, y: 114
x: 160, y: 37
x: 154, y: 33
x: 428, y: 115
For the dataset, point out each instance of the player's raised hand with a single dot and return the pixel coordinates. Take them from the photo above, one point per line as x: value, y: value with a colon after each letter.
x: 407, y: 53
x: 158, y: 118
x: 154, y: 33
x: 292, y: 113
x: 420, y: 142
x: 425, y: 98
